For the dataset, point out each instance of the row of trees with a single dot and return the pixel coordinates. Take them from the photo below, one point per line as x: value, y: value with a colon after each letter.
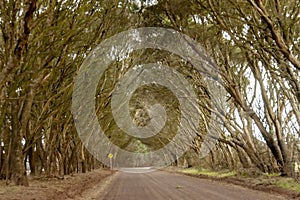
x: 42, y: 44
x: 255, y: 45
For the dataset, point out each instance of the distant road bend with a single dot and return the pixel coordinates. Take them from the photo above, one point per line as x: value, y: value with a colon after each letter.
x: 160, y: 185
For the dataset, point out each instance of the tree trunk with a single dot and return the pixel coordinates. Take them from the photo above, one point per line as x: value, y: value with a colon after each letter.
x: 1, y: 160
x: 16, y: 166
x: 31, y: 160
x: 83, y: 161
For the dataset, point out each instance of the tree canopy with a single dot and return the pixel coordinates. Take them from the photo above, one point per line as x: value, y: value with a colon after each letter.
x: 254, y: 44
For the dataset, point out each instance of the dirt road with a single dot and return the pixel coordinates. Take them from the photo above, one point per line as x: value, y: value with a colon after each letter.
x: 161, y: 185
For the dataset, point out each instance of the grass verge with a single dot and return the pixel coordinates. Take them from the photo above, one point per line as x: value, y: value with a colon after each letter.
x: 288, y: 183
x: 264, y: 182
x: 206, y: 172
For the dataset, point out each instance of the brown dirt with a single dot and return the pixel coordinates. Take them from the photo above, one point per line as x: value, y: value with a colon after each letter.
x: 70, y: 187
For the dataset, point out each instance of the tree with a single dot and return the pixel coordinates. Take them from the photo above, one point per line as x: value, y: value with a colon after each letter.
x: 255, y: 46
x: 42, y: 45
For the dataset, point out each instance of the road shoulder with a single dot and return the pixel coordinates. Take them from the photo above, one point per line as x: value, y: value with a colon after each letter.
x: 257, y: 183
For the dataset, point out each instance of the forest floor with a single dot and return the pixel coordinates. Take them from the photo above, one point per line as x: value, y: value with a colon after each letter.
x: 77, y: 186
